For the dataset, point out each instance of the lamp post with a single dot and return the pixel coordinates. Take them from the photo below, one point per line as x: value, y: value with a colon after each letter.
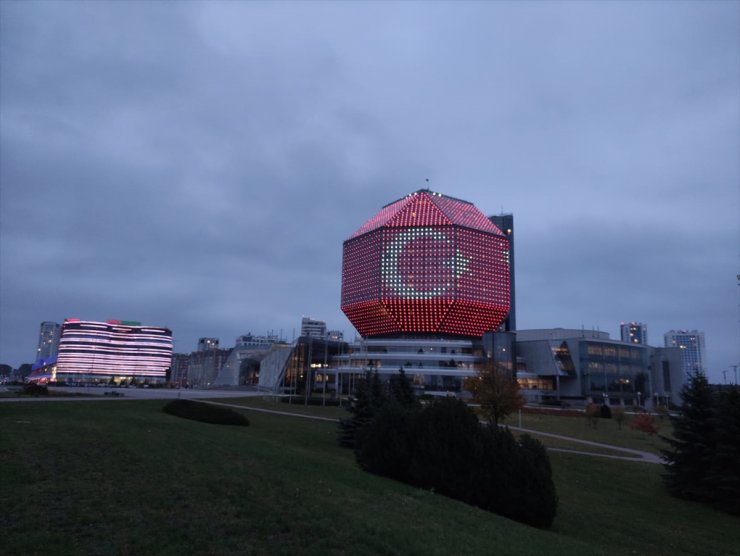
x: 605, y: 395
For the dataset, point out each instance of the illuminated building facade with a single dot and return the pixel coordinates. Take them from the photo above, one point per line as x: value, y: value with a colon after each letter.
x: 115, y: 351
x: 426, y: 264
x: 422, y: 281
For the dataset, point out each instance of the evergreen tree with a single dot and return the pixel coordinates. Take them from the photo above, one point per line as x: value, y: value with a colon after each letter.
x: 401, y: 390
x: 369, y: 397
x: 723, y: 477
x: 693, y: 443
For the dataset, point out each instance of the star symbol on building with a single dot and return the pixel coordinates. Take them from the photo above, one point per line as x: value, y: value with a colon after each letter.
x: 459, y: 263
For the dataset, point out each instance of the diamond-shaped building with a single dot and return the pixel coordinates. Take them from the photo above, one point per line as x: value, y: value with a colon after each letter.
x: 426, y: 264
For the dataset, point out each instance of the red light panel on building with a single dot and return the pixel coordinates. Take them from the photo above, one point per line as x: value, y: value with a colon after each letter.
x: 426, y: 264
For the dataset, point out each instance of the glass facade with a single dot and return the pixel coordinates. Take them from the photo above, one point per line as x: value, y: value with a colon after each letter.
x: 562, y: 358
x: 433, y: 365
x: 426, y: 264
x: 617, y: 370
x: 48, y: 340
x: 692, y: 348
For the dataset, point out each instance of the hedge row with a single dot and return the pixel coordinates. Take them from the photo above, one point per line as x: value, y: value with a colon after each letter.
x: 443, y: 447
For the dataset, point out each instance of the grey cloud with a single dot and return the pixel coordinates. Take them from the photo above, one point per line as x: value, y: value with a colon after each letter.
x: 199, y: 164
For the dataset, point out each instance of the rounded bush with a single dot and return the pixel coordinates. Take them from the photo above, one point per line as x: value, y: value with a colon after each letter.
x: 205, y: 413
x: 606, y: 412
x: 34, y: 389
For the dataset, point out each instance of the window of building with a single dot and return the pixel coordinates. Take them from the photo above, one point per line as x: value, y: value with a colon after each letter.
x: 666, y: 376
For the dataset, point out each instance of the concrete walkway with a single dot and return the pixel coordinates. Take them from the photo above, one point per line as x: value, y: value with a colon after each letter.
x: 273, y: 411
x: 634, y: 455
x: 631, y: 455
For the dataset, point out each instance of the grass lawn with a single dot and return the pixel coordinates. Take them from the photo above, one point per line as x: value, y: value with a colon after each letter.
x: 122, y: 477
x: 607, y: 431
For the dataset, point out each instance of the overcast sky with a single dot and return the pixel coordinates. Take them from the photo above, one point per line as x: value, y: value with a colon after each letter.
x: 198, y: 165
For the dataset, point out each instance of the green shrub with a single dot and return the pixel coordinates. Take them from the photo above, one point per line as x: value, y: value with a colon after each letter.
x: 723, y: 475
x: 535, y: 487
x: 205, y: 412
x: 703, y: 462
x: 34, y: 389
x: 370, y: 397
x: 385, y: 447
x: 443, y: 447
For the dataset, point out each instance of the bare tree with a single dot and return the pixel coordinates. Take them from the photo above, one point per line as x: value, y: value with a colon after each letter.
x: 496, y: 390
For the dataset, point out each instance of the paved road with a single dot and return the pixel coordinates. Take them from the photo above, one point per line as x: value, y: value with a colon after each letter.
x: 96, y: 393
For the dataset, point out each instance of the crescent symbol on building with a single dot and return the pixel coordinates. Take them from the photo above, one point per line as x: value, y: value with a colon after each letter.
x: 389, y: 265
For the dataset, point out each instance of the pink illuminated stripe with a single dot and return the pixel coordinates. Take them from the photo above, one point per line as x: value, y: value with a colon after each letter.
x: 88, y: 347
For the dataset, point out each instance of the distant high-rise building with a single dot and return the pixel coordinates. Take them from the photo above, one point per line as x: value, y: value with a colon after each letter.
x: 249, y: 341
x: 335, y: 335
x: 204, y: 365
x: 692, y: 348
x: 48, y: 340
x: 313, y: 328
x: 505, y: 223
x: 207, y: 344
x: 633, y: 332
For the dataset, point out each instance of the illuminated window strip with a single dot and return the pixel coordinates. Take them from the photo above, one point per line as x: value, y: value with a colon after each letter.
x: 88, y: 347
